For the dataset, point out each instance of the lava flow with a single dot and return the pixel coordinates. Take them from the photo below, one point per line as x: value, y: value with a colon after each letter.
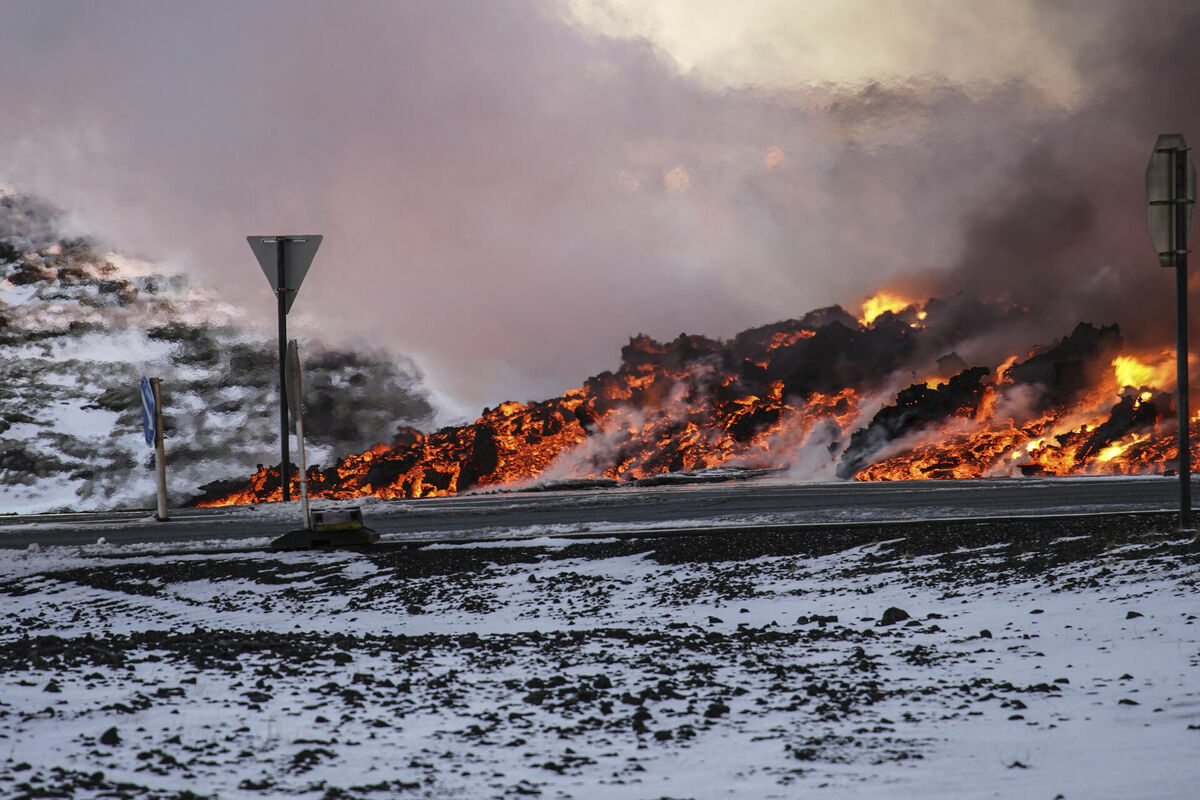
x: 881, y: 397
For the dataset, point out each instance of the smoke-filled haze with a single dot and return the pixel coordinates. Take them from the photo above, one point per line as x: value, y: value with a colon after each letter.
x: 509, y: 190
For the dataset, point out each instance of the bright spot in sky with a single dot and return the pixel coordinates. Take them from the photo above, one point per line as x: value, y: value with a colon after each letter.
x: 677, y: 180
x: 773, y: 156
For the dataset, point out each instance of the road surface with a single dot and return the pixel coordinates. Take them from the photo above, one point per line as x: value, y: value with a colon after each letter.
x: 511, y: 514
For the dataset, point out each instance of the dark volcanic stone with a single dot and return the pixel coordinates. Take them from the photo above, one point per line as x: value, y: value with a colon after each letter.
x: 110, y: 737
x: 716, y: 709
x: 1070, y: 366
x: 893, y: 615
x: 916, y: 408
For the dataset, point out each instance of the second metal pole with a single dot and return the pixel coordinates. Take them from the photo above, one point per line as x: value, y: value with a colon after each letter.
x: 1180, y: 160
x: 160, y: 453
x: 285, y: 466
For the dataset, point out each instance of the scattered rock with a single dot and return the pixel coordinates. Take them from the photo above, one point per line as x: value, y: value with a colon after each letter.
x: 893, y: 615
x: 308, y: 758
x: 716, y: 709
x: 110, y: 737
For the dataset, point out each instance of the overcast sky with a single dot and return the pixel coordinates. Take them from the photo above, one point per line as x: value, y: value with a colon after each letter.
x: 510, y: 189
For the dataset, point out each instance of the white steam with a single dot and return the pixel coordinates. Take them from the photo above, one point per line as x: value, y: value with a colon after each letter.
x: 508, y: 193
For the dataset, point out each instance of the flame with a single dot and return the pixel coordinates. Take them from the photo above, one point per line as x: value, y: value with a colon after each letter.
x: 1157, y: 370
x: 1005, y: 366
x: 883, y: 301
x: 1117, y: 449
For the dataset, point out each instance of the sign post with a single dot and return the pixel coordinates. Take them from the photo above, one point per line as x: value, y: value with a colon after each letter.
x: 285, y: 261
x: 295, y: 386
x: 1170, y: 213
x: 152, y: 426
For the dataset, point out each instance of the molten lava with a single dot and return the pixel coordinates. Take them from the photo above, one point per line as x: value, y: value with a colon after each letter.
x: 884, y: 301
x: 878, y: 398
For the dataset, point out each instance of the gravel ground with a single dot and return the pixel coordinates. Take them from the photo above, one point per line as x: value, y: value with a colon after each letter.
x: 1019, y: 659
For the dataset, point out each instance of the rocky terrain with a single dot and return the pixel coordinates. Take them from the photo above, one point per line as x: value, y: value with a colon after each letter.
x: 1023, y: 659
x: 80, y: 325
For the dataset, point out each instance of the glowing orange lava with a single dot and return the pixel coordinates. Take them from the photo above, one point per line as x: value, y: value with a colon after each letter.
x: 817, y: 392
x: 881, y: 302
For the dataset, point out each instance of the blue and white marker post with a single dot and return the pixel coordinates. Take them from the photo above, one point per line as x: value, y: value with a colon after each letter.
x: 152, y: 426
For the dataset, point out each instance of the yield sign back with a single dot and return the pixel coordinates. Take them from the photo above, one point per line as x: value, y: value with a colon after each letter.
x: 298, y: 252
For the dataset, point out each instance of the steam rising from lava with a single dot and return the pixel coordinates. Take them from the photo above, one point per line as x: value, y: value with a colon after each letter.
x: 817, y: 394
x: 477, y: 168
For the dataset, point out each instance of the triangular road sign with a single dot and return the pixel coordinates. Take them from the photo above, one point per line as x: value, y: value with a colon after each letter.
x: 1162, y: 203
x: 298, y: 252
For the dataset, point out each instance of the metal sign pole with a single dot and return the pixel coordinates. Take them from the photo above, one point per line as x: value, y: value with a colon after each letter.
x: 285, y: 467
x: 285, y: 261
x: 303, y: 473
x: 160, y: 454
x: 1170, y: 211
x: 1179, y: 160
x: 295, y: 382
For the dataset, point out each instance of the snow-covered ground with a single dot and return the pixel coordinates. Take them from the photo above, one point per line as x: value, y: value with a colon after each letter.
x: 1060, y: 667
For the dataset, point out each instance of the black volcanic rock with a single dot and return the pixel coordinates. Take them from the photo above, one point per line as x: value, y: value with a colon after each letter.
x: 1130, y: 414
x: 916, y: 408
x: 483, y: 458
x: 838, y: 356
x: 683, y: 350
x: 1071, y: 366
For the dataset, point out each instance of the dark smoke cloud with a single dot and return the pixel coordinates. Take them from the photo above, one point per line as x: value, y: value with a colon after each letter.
x: 508, y: 197
x: 1063, y: 235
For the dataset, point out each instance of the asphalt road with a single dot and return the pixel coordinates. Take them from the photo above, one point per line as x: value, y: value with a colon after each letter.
x: 742, y: 504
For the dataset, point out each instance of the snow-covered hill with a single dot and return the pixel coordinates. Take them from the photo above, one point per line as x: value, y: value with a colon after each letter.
x: 79, y: 327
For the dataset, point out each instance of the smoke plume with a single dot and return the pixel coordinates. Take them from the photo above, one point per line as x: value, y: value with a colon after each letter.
x: 509, y: 190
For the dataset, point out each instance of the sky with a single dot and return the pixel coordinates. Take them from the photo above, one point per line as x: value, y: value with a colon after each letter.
x: 509, y: 190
